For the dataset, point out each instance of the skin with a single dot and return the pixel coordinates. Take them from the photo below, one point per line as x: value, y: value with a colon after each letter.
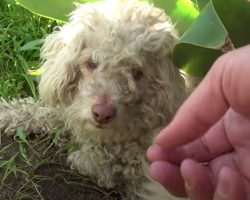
x: 206, y: 148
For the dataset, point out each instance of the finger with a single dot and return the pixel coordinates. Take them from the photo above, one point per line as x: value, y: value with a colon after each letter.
x: 238, y: 128
x: 232, y: 133
x: 213, y: 144
x: 169, y: 176
x: 198, y: 180
x: 230, y: 186
x: 225, y: 85
x: 156, y: 153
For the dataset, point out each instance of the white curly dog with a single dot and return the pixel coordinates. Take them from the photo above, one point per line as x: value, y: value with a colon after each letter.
x: 109, y: 80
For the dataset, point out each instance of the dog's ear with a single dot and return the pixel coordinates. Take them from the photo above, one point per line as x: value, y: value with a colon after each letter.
x: 159, y: 43
x: 60, y: 51
x: 173, y: 92
x: 157, y: 46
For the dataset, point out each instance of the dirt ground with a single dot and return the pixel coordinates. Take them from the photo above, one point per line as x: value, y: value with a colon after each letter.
x: 29, y: 170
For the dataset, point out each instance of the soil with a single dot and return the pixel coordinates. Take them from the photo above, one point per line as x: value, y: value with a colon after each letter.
x: 45, y: 176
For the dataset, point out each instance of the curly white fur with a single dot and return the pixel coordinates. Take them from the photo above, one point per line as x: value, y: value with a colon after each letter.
x: 120, y: 36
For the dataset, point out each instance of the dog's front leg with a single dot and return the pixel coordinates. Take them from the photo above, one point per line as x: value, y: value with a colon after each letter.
x: 27, y: 114
x: 93, y: 162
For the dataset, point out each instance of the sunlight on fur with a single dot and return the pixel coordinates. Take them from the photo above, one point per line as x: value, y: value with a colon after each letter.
x: 109, y: 80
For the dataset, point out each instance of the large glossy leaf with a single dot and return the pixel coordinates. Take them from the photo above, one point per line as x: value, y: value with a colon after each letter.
x: 202, y: 3
x: 214, y: 32
x: 193, y: 63
x: 235, y: 15
x: 207, y: 30
x: 199, y: 46
x: 53, y: 9
x: 182, y: 12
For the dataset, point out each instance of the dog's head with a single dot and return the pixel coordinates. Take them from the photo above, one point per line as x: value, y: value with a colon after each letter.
x: 110, y: 69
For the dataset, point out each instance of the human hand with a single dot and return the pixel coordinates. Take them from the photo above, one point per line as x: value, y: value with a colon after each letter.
x: 204, y: 153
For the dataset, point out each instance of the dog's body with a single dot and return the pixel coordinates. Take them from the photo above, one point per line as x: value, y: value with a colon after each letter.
x: 110, y: 82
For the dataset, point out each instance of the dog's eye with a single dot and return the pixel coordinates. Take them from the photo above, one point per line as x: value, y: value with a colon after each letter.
x: 137, y: 74
x: 92, y: 64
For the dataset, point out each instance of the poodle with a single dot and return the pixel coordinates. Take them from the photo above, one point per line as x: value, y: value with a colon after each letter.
x: 108, y: 81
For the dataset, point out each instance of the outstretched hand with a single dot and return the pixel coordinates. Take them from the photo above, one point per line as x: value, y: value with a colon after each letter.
x: 204, y: 153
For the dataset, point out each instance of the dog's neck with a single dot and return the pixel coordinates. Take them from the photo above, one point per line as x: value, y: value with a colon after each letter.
x: 141, y: 137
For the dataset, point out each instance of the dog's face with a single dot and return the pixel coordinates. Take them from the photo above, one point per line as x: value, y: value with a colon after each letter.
x: 113, y: 73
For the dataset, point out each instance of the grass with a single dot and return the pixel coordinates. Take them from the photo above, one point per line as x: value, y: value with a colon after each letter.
x: 17, y: 28
x: 33, y: 168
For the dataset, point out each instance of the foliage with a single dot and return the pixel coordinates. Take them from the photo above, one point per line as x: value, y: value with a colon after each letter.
x: 218, y: 29
x: 18, y: 27
x: 208, y: 28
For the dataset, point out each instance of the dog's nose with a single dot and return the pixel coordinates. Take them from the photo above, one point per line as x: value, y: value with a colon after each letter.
x: 103, y: 113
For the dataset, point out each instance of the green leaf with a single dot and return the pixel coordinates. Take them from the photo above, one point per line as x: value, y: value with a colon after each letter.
x: 182, y: 12
x: 72, y: 148
x: 21, y: 135
x: 207, y: 31
x: 25, y: 74
x: 195, y: 2
x: 235, y: 15
x: 53, y: 9
x: 194, y: 60
x: 32, y: 45
x: 217, y: 29
x: 201, y: 43
x: 33, y: 64
x: 202, y: 3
